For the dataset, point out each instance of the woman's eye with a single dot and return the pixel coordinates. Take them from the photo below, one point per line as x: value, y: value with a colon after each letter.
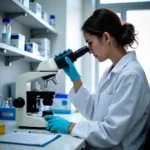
x: 90, y: 43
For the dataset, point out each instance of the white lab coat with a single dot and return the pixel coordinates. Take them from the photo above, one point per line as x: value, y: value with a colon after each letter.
x: 118, y: 110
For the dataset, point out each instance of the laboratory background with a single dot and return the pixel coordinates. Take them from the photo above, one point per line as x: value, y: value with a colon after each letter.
x: 33, y: 31
x: 65, y: 33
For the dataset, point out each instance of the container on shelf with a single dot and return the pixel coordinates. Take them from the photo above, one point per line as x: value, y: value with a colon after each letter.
x: 36, y: 8
x: 6, y: 30
x: 52, y: 20
x: 45, y: 16
x: 18, y: 40
x: 26, y: 3
x: 32, y: 47
x: 44, y: 46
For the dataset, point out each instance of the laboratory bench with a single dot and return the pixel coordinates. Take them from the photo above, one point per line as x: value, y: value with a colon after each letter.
x: 65, y: 142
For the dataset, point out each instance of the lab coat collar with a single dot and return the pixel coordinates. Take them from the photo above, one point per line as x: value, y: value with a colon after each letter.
x: 124, y: 61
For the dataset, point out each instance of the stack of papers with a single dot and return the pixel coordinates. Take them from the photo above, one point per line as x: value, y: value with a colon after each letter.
x: 32, y: 139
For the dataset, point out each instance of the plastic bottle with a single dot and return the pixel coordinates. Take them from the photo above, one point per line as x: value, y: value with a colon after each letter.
x: 6, y: 30
x: 52, y: 20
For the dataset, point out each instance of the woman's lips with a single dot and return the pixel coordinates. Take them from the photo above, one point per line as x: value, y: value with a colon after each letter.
x: 95, y: 56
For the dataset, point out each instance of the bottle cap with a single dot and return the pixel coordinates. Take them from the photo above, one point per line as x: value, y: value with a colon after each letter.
x: 8, y: 20
x: 61, y: 95
x: 52, y: 16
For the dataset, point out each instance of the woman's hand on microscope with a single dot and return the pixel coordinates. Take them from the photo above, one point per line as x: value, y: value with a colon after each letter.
x: 70, y: 70
x: 58, y: 124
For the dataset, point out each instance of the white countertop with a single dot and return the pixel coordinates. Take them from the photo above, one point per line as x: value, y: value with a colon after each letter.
x: 65, y: 142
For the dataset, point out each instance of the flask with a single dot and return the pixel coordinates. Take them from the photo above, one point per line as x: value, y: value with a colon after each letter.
x: 6, y: 30
x: 52, y: 20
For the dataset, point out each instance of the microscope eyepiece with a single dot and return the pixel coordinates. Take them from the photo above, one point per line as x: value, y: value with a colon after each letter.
x: 73, y: 56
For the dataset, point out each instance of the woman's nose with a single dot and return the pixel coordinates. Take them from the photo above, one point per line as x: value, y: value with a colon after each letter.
x: 90, y: 50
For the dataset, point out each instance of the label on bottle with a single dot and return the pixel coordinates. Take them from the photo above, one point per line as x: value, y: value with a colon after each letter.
x: 52, y: 22
x: 4, y: 37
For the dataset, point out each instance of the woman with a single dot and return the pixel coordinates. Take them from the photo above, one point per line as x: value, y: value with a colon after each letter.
x: 117, y: 112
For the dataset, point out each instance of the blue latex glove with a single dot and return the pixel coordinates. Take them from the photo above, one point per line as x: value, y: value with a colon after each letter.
x: 61, y: 52
x: 70, y: 70
x: 57, y: 124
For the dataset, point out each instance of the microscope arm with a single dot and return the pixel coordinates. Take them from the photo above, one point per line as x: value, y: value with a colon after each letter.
x: 48, y: 66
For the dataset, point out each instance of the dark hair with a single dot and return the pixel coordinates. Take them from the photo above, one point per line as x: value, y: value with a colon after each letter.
x: 104, y: 20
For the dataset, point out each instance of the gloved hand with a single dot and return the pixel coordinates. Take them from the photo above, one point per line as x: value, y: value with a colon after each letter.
x: 56, y: 123
x: 70, y: 70
x: 61, y: 52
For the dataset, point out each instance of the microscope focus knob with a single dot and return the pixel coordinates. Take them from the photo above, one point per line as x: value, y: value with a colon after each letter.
x: 18, y: 102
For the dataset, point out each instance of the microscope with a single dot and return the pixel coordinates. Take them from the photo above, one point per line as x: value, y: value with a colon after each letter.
x: 26, y: 100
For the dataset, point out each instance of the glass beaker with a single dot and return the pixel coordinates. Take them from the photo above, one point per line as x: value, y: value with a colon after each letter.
x: 10, y: 102
x: 5, y: 103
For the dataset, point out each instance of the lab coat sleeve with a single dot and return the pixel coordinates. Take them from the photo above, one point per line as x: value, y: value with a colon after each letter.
x: 83, y: 100
x: 123, y: 113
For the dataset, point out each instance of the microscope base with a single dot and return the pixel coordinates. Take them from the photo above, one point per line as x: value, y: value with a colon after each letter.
x: 47, y: 112
x: 39, y: 128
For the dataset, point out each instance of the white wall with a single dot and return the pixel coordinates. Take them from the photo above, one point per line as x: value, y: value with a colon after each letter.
x: 88, y: 61
x: 73, y: 32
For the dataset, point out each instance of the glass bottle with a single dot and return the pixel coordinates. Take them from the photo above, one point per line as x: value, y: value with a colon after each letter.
x: 5, y: 104
x: 52, y: 20
x: 6, y: 30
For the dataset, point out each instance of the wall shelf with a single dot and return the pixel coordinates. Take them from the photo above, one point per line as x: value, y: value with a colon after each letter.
x: 7, y: 50
x: 30, y: 19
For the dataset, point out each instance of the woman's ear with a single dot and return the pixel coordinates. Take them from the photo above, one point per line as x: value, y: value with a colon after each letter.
x: 107, y: 38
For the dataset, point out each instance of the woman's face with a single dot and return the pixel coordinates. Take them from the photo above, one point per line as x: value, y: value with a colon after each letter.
x: 98, y: 46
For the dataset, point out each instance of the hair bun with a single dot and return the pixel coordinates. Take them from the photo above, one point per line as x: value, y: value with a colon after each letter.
x: 128, y: 34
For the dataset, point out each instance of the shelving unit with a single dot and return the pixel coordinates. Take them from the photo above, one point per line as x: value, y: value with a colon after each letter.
x: 14, y: 9
x: 30, y: 20
x: 15, y: 53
